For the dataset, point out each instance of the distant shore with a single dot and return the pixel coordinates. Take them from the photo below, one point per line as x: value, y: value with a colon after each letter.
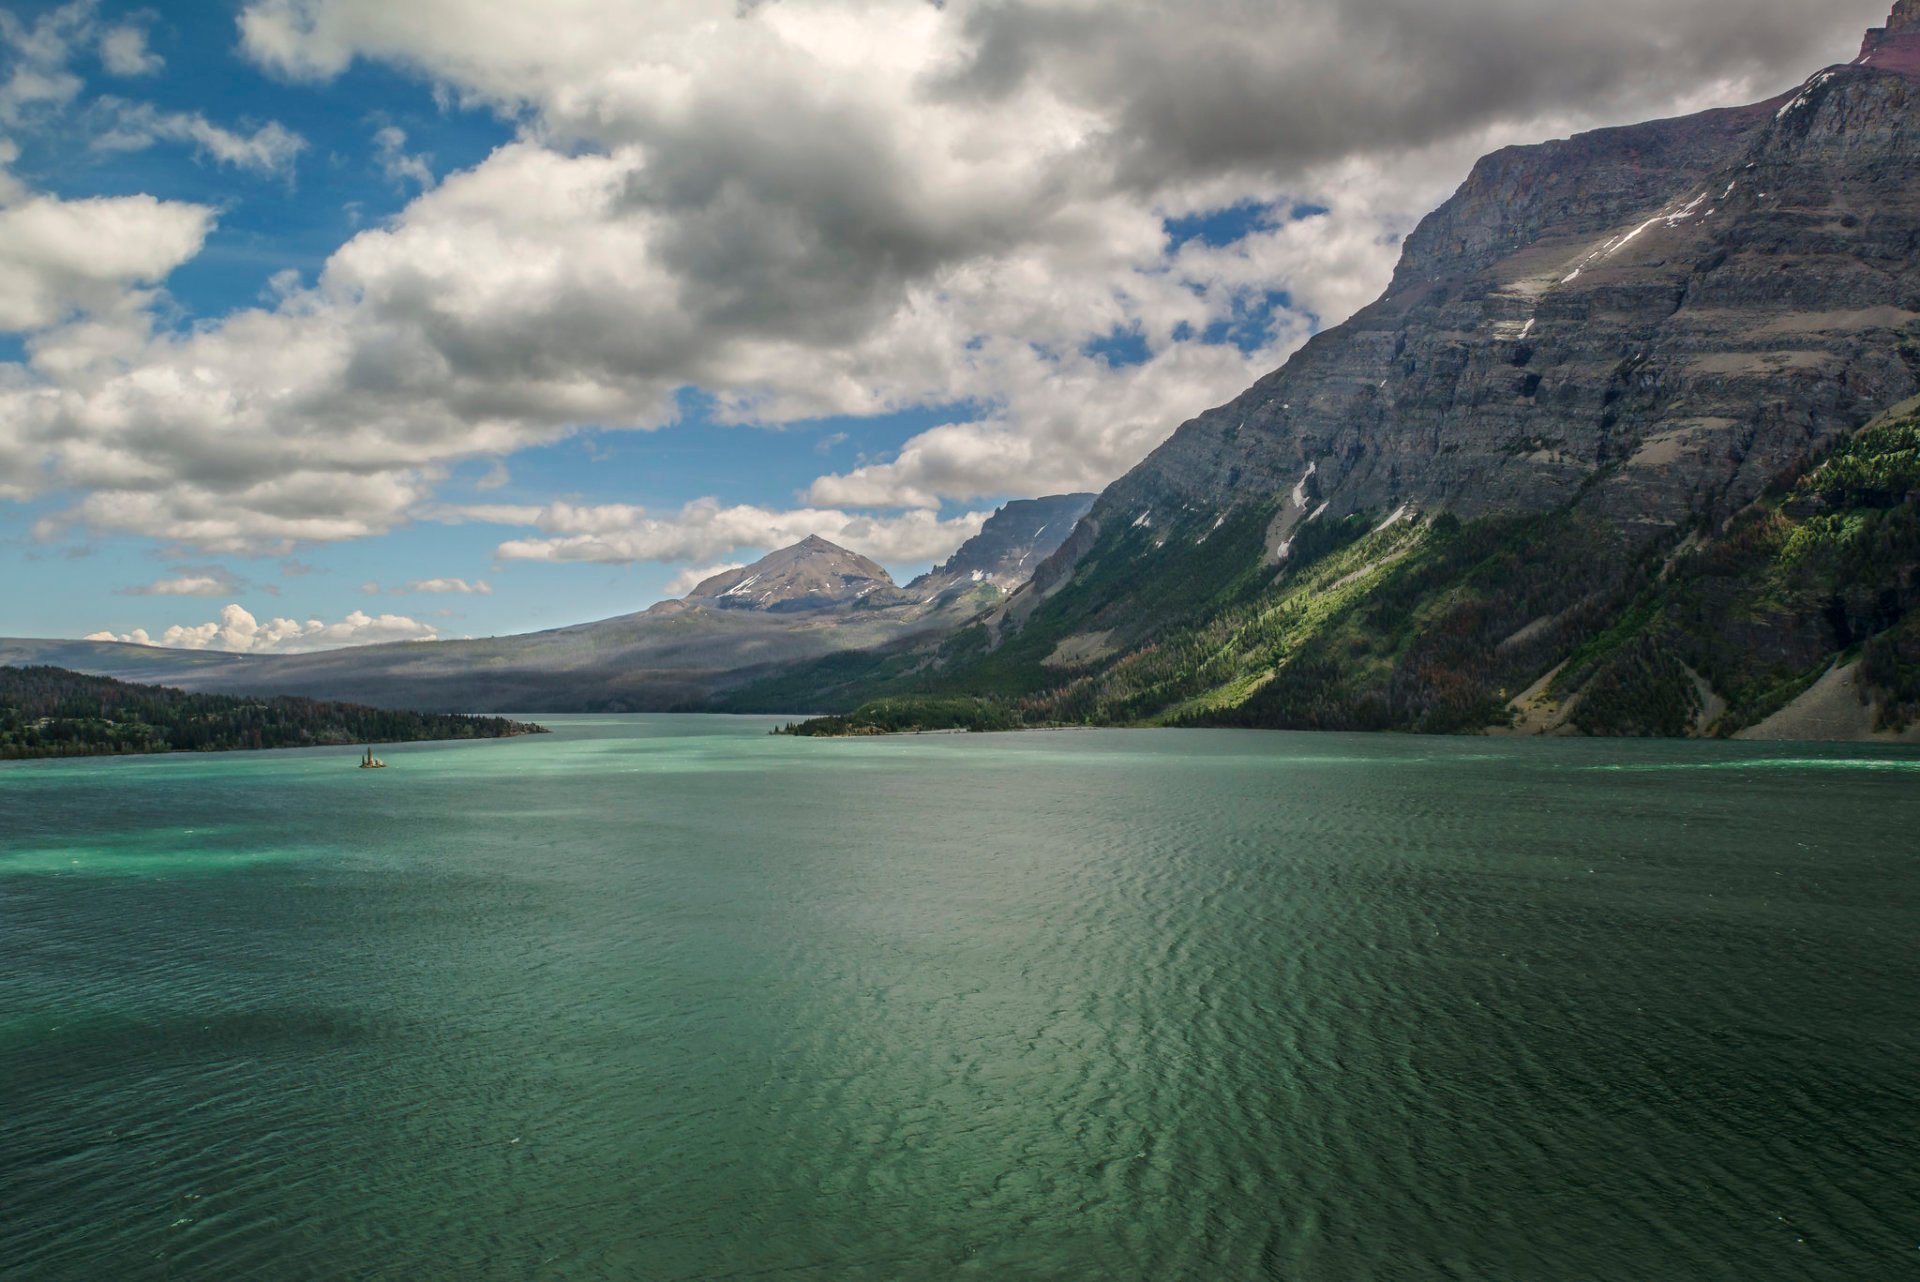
x: 50, y: 713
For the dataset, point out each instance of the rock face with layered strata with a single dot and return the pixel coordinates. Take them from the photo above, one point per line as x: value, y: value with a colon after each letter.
x: 1589, y: 361
x: 1648, y: 322
x: 1015, y: 540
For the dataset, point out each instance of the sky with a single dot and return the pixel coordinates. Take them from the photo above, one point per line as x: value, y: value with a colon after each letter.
x: 326, y: 322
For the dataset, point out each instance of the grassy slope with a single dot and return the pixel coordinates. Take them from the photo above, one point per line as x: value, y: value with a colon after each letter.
x: 1434, y: 625
x: 1826, y: 569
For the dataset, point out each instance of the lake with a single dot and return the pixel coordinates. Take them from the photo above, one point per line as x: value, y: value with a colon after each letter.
x: 669, y: 998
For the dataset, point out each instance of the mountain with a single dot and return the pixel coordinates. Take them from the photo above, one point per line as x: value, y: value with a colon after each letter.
x: 811, y: 575
x: 1542, y: 465
x: 1896, y: 46
x: 801, y: 604
x: 1014, y: 541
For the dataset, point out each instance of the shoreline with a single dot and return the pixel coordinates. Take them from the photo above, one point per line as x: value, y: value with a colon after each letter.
x: 169, y: 751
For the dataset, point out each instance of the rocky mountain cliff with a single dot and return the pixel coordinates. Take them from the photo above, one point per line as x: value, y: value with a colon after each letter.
x: 1896, y: 46
x: 1592, y: 362
x: 1014, y: 541
x: 1645, y: 322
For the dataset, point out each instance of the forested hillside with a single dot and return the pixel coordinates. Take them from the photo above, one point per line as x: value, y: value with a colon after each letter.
x: 50, y: 712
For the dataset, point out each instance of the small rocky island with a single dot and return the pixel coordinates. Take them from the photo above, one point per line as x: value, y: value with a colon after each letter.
x: 51, y: 712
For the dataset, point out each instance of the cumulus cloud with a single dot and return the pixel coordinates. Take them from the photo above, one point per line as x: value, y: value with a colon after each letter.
x: 61, y: 257
x: 478, y: 587
x: 270, y: 148
x: 124, y: 52
x: 238, y: 632
x: 208, y: 582
x: 39, y: 84
x: 400, y: 166
x: 705, y: 530
x: 1185, y: 91
x: 431, y: 587
x: 37, y: 77
x: 832, y: 207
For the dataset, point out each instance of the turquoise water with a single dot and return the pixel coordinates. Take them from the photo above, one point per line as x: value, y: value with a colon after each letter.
x: 668, y: 998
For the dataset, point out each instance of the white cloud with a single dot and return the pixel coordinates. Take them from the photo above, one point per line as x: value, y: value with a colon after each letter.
x: 825, y: 207
x: 704, y: 530
x: 38, y: 79
x: 124, y: 52
x: 211, y: 583
x: 435, y: 587
x: 270, y: 149
x: 39, y: 84
x: 489, y: 513
x: 478, y: 587
x: 238, y: 632
x: 390, y: 149
x: 59, y: 257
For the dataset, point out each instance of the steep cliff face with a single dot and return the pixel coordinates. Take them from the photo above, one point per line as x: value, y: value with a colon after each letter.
x: 1596, y: 348
x: 1014, y: 541
x: 1650, y: 322
x: 1896, y: 46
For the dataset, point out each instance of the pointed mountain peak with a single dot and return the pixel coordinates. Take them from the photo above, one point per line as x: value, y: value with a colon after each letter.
x: 1014, y: 540
x: 813, y: 574
x: 1896, y: 46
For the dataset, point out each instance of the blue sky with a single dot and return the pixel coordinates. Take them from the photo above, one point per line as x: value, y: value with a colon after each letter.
x: 469, y: 320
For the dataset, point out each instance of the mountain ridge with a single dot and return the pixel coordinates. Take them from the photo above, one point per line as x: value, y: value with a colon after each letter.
x: 796, y: 604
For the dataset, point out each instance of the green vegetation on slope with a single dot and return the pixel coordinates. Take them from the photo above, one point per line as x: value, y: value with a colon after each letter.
x: 1826, y: 568
x: 1435, y: 625
x: 50, y: 712
x: 1365, y: 626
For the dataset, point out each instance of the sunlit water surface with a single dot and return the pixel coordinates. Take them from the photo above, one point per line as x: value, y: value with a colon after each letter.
x: 667, y: 998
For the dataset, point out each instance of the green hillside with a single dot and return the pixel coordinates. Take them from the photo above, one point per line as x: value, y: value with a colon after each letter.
x: 1430, y: 624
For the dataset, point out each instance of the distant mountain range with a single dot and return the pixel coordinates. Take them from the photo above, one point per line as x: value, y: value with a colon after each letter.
x: 800, y: 603
x: 50, y: 712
